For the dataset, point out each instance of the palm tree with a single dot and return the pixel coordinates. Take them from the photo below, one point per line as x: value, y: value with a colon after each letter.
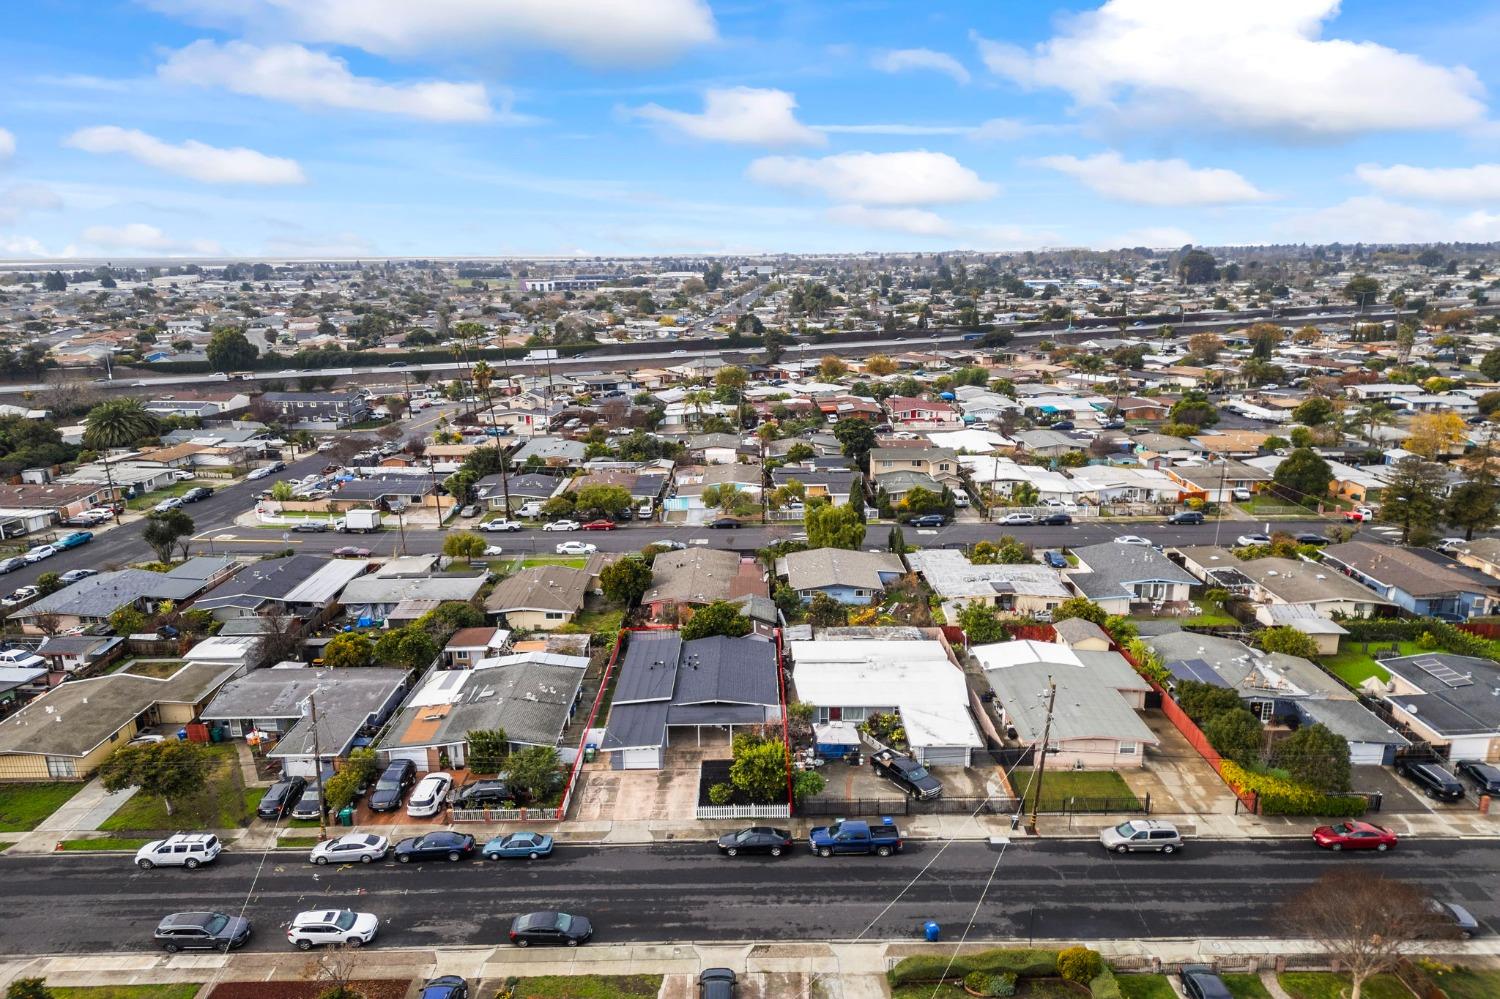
x: 1372, y: 415
x: 115, y: 424
x: 483, y: 376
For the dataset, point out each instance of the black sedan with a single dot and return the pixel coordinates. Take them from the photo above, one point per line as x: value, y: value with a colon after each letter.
x: 441, y: 845
x: 1311, y: 539
x: 724, y: 524
x: 550, y: 929
x: 756, y: 839
x: 445, y: 987
x: 1055, y: 520
x: 1485, y: 776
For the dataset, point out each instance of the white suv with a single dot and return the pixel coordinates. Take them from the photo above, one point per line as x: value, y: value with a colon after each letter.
x: 430, y: 796
x: 181, y: 850
x: 332, y: 926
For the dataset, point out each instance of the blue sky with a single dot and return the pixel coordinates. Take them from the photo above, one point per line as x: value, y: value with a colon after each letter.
x: 490, y: 127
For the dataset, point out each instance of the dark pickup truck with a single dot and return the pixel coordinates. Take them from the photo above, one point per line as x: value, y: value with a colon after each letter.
x: 907, y: 774
x: 855, y: 836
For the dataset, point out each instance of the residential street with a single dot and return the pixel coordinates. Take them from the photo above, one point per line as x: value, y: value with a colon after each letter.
x: 685, y: 891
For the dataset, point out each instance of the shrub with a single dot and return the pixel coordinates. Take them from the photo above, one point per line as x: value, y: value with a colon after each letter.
x: 985, y: 984
x: 1278, y: 796
x: 720, y: 794
x: 1105, y: 986
x: 1021, y: 962
x: 1079, y: 964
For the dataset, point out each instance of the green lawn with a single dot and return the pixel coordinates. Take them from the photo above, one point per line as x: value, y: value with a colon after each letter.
x: 600, y: 620
x: 224, y: 804
x: 1058, y: 786
x: 1213, y: 616
x: 23, y: 806
x: 177, y: 990
x: 1327, y: 985
x: 1353, y: 665
x: 1468, y: 983
x: 150, y: 499
x: 157, y: 669
x: 589, y: 987
x: 1026, y: 988
x: 308, y: 841
x: 1246, y: 986
x: 1145, y: 987
x: 571, y: 562
x: 104, y: 843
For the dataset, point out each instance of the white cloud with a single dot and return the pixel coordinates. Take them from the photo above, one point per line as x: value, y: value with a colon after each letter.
x: 1156, y: 182
x: 22, y: 199
x: 7, y: 145
x: 298, y: 75
x: 917, y: 221
x: 901, y: 60
x: 1246, y: 64
x: 916, y: 177
x: 993, y: 130
x: 740, y: 114
x: 27, y: 248
x: 1480, y: 182
x: 1371, y: 219
x: 196, y: 160
x: 138, y: 237
x: 603, y: 32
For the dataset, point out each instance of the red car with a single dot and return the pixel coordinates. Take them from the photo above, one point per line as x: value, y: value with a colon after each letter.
x: 1353, y: 834
x: 599, y: 525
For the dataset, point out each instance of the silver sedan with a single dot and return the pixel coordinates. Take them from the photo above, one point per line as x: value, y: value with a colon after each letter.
x: 361, y: 847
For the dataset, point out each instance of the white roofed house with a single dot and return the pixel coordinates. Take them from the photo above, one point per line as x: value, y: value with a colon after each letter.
x: 1018, y: 589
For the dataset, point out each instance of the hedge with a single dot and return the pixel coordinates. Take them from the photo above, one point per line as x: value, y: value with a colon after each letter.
x: 1278, y: 796
x: 1105, y: 986
x: 1023, y: 962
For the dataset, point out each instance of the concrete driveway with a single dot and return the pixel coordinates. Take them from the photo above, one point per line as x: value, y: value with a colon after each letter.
x: 1179, y: 781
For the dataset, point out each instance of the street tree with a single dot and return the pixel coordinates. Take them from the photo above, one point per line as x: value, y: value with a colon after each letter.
x: 171, y: 770
x: 857, y: 439
x: 1412, y: 498
x: 626, y: 580
x: 466, y: 545
x: 118, y: 423
x: 1303, y: 477
x: 1194, y: 409
x: 164, y: 531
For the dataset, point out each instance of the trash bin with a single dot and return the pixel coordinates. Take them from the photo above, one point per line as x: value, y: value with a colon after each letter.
x: 589, y: 752
x: 346, y: 815
x: 932, y: 931
x: 182, y: 735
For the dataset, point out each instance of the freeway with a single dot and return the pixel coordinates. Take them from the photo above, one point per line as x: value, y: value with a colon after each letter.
x: 685, y: 891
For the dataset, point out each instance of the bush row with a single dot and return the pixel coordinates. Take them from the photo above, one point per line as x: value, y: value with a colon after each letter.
x: 1021, y: 962
x: 1278, y: 796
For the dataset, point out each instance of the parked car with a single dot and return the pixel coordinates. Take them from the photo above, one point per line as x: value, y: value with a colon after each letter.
x: 73, y: 540
x: 391, y: 787
x: 1141, y: 834
x: 502, y: 525
x: 1453, y: 917
x: 1485, y: 776
x: 1252, y: 540
x: 484, y: 794
x: 20, y: 595
x: 197, y: 493
x: 281, y: 797
x: 907, y: 774
x: 493, y: 551
x: 167, y: 505
x: 1199, y: 981
x: 1017, y: 519
x: 1354, y: 834
x: 599, y: 525
x: 75, y: 575
x: 469, y: 511
x: 1132, y: 539
x: 724, y: 524
x: 1055, y: 560
x: 550, y: 928
x: 349, y: 551
x: 440, y: 845
x: 716, y: 983
x: 576, y: 548
x: 1186, y: 518
x: 853, y: 836
x: 179, y: 850
x: 11, y: 564
x: 430, y: 796
x: 1062, y: 425
x: 929, y: 520
x: 669, y: 545
x: 362, y: 847
x: 562, y: 525
x: 1359, y: 515
x: 34, y: 555
x: 1055, y: 520
x: 259, y: 473
x: 1309, y: 538
x: 310, y: 527
x: 1434, y: 781
x: 202, y: 931
x: 319, y: 927
x: 310, y: 806
x: 445, y: 987
x: 756, y: 839
x: 532, y: 846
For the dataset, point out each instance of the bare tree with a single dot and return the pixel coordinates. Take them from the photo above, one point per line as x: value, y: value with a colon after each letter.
x: 49, y: 623
x: 1366, y: 922
x: 282, y: 638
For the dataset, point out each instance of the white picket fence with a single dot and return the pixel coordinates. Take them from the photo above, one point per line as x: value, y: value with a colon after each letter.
x: 744, y: 812
x: 502, y: 814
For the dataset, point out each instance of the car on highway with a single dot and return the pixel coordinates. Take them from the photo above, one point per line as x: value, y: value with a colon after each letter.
x: 364, y: 848
x: 1199, y: 981
x: 1017, y: 519
x: 1354, y: 834
x: 1055, y: 520
x: 440, y: 845
x: 929, y: 520
x: 599, y: 525
x: 1186, y: 518
x: 201, y: 931
x: 1484, y: 776
x: 502, y: 525
x: 1252, y: 540
x: 576, y: 548
x: 310, y: 527
x: 281, y: 797
x: 756, y: 839
x: 188, y: 850
x: 717, y: 983
x: 562, y: 525
x: 11, y: 564
x: 349, y: 551
x: 445, y: 987
x: 1452, y: 917
x: 529, y: 845
x: 1132, y: 539
x: 197, y: 493
x: 168, y: 505
x: 430, y: 796
x: 1141, y: 835
x: 1055, y: 560
x: 338, y: 927
x: 1434, y: 781
x: 669, y: 545
x: 34, y: 555
x: 550, y: 929
x: 391, y: 786
x: 77, y: 575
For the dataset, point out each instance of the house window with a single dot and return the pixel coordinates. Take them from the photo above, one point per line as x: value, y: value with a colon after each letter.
x: 1128, y: 749
x: 555, y: 615
x: 60, y: 766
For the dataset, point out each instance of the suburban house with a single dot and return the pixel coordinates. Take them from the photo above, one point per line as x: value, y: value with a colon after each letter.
x: 92, y: 600
x: 1016, y: 589
x: 1094, y: 721
x: 524, y: 488
x: 1271, y: 582
x: 1418, y: 580
x: 692, y: 480
x: 849, y: 577
x: 318, y: 410
x: 530, y: 695
x: 699, y: 576
x: 1217, y: 482
x: 922, y: 414
x: 375, y: 595
x: 1121, y: 577
x: 849, y: 674
x: 1448, y: 701
x: 541, y: 597
x: 939, y: 464
x: 1282, y: 691
x: 666, y: 684
x: 277, y: 704
x: 835, y: 485
x: 295, y: 586
x: 80, y: 653
x: 67, y: 732
x: 468, y: 646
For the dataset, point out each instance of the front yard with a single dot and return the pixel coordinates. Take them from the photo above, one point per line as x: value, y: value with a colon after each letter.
x: 224, y: 804
x: 1082, y: 790
x: 588, y: 987
x: 1327, y: 985
x: 148, y: 500
x: 24, y: 806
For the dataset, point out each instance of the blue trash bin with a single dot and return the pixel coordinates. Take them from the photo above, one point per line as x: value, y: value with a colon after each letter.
x: 932, y: 931
x: 182, y: 735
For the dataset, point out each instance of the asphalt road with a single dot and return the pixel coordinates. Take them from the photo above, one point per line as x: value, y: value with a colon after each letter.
x: 685, y: 891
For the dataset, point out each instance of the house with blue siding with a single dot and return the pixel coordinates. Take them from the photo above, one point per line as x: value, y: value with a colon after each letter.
x: 848, y: 577
x: 1418, y: 580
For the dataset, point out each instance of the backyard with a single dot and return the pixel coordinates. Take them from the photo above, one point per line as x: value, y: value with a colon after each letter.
x: 1353, y: 664
x: 24, y: 806
x: 224, y: 804
x: 1103, y: 790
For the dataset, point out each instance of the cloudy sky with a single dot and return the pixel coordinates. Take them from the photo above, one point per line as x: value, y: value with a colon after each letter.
x: 469, y: 127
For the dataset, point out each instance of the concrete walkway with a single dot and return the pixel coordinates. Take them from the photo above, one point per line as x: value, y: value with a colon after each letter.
x: 1268, y: 979
x: 84, y: 812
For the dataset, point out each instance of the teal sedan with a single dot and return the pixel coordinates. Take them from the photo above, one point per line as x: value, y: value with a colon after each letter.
x: 518, y: 844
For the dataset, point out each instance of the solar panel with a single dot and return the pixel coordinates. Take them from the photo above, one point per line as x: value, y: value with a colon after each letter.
x: 1441, y: 671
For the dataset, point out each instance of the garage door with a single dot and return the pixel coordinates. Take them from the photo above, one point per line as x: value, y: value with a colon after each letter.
x: 641, y: 759
x: 944, y: 756
x: 417, y: 756
x: 1366, y: 754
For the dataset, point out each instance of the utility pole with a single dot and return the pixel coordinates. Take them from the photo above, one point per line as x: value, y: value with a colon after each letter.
x: 1041, y: 764
x: 318, y: 766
